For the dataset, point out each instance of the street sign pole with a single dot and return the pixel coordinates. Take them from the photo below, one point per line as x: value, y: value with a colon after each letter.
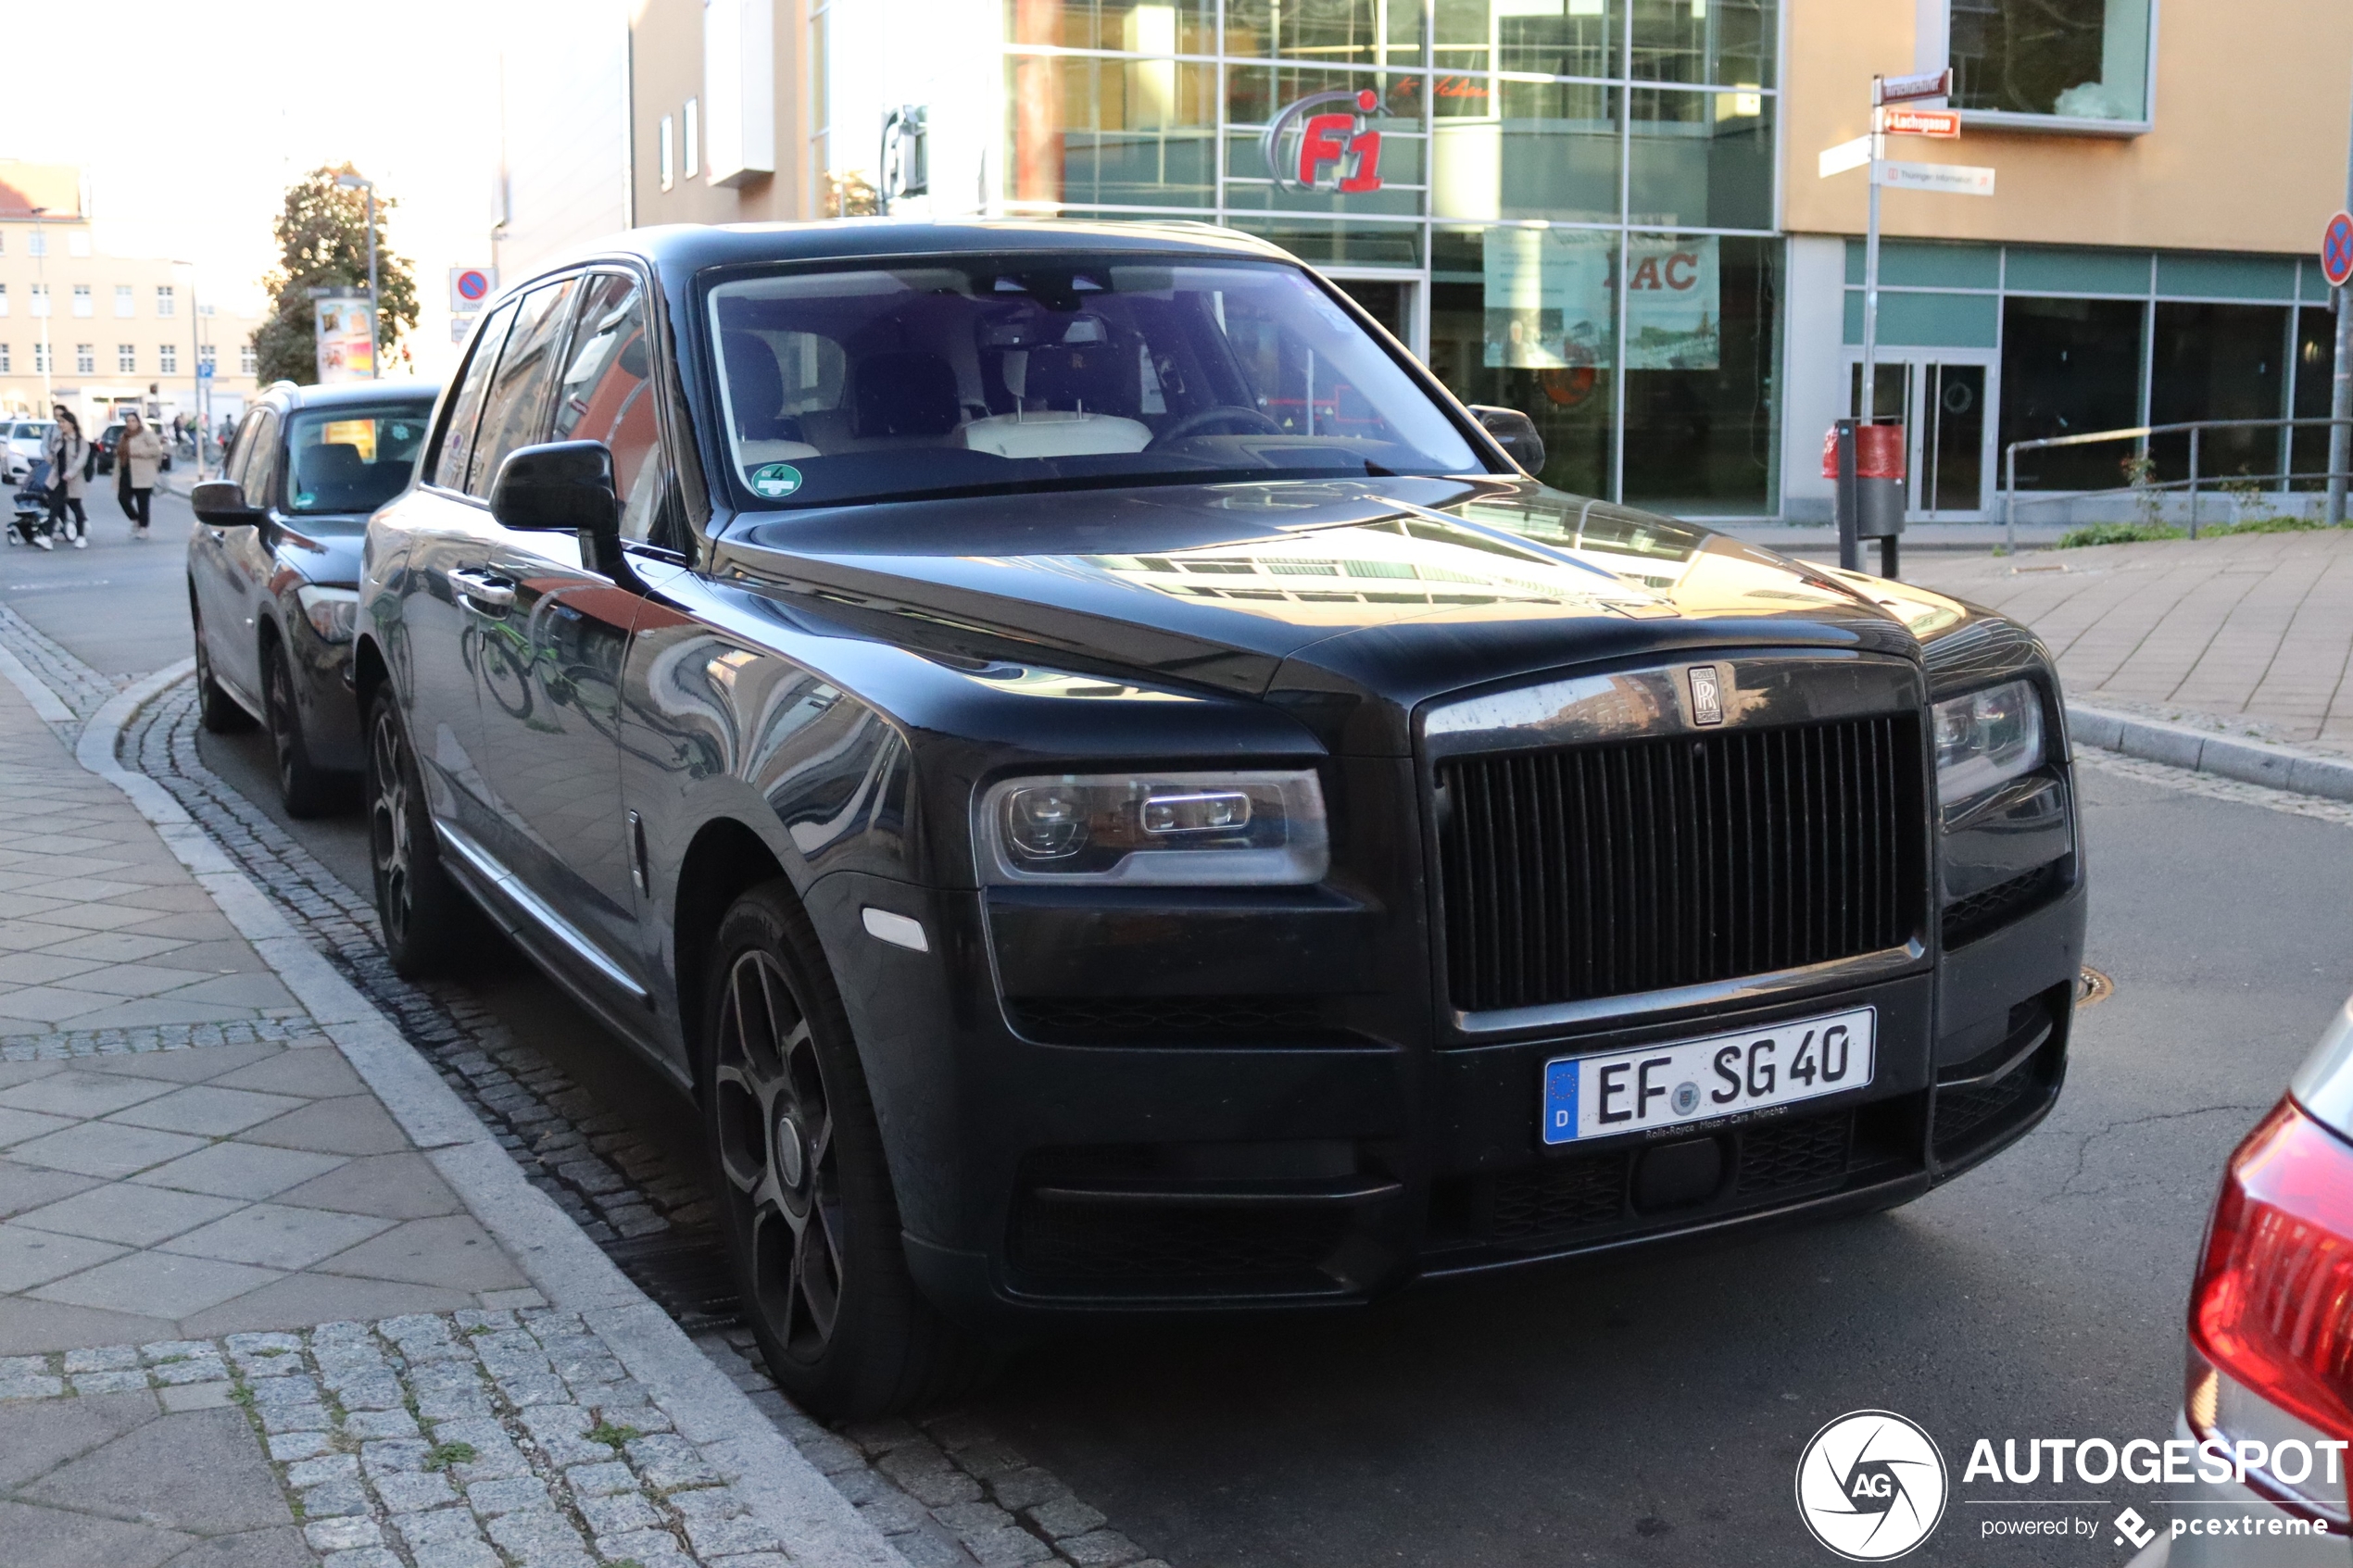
x: 2341, y: 386
x: 1868, y: 396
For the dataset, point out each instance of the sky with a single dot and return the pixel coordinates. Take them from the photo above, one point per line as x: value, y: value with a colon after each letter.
x: 193, y: 119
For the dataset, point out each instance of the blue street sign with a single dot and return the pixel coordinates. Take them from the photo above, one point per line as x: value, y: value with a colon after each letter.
x: 2337, y: 250
x: 203, y: 369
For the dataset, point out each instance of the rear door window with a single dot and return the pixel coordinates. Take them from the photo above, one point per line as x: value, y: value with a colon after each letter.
x: 457, y: 448
x: 514, y: 413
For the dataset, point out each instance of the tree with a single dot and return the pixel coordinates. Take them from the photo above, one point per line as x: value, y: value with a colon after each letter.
x: 323, y: 243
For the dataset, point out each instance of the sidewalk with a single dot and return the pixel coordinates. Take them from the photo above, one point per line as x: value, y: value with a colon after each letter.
x: 2248, y: 633
x: 269, y: 1297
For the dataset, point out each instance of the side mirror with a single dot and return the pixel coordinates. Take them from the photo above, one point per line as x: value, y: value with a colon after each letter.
x: 563, y: 487
x: 220, y: 503
x: 1516, y: 433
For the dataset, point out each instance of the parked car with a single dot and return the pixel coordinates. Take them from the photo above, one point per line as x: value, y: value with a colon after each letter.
x: 273, y: 571
x: 1117, y: 794
x: 24, y: 438
x: 2270, y: 1334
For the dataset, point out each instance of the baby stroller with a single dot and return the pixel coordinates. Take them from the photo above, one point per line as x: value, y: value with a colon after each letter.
x: 31, y: 503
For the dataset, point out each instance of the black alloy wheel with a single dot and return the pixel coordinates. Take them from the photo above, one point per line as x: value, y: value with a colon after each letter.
x: 425, y: 918
x: 308, y: 789
x: 215, y: 710
x: 804, y: 1188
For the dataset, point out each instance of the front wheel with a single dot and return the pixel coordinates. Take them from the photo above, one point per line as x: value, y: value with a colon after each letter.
x: 427, y: 920
x: 803, y: 1188
x: 307, y: 789
x: 215, y: 710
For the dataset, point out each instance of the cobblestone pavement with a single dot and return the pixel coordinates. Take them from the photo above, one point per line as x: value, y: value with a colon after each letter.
x: 2255, y: 630
x: 954, y: 1496
x: 472, y: 1439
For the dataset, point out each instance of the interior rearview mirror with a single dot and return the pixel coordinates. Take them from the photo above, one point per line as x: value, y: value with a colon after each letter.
x: 563, y: 486
x: 1516, y: 433
x: 220, y: 503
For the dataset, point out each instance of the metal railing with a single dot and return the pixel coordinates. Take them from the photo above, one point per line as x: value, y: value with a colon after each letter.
x: 2147, y: 485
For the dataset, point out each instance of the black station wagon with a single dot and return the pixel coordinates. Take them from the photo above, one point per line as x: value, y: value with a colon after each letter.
x: 1117, y: 794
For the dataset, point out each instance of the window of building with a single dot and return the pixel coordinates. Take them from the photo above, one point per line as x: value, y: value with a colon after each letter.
x: 692, y: 117
x: 6, y: 364
x: 82, y: 304
x: 126, y: 359
x: 168, y: 359
x: 3, y: 299
x: 2075, y: 60
x: 249, y: 360
x: 664, y: 138
x: 40, y: 359
x: 85, y: 358
x: 122, y: 303
x: 204, y: 361
x: 41, y: 299
x: 2070, y: 367
x: 166, y: 303
x: 2217, y: 362
x: 40, y: 242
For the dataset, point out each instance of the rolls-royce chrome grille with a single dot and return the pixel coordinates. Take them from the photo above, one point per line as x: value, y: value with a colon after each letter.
x: 1589, y: 872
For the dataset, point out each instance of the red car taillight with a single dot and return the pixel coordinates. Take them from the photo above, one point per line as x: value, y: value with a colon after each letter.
x: 2274, y: 1302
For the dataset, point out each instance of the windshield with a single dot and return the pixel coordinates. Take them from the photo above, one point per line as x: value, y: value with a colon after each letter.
x: 32, y: 429
x: 352, y: 459
x: 1030, y: 372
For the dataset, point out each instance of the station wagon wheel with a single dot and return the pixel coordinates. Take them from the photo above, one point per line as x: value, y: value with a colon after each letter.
x: 305, y: 789
x: 802, y: 1185
x: 425, y: 919
x: 776, y: 1150
x: 215, y: 710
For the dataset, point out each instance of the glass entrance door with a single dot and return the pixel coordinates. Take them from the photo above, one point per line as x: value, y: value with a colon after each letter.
x: 1395, y: 302
x: 1942, y: 398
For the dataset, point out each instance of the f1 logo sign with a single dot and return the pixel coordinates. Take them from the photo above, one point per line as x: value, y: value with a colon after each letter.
x: 1335, y: 152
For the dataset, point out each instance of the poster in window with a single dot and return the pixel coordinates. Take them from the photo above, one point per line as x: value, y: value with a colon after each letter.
x: 1551, y: 304
x: 344, y: 350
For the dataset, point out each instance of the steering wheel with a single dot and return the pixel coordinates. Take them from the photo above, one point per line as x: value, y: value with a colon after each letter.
x: 1225, y: 413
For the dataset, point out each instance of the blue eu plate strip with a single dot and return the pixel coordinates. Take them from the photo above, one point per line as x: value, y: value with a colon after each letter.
x: 1560, y: 1102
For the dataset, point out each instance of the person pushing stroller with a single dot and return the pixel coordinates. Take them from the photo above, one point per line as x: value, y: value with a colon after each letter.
x: 70, y: 458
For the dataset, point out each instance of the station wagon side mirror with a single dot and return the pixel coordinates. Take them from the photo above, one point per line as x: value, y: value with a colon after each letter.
x: 1514, y: 432
x: 220, y: 503
x: 563, y: 487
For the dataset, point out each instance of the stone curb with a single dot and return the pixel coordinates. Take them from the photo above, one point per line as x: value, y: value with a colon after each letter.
x: 2202, y: 751
x: 783, y: 1489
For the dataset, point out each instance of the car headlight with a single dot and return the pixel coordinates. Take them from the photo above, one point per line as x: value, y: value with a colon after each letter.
x: 333, y: 613
x: 1987, y: 738
x: 1171, y: 830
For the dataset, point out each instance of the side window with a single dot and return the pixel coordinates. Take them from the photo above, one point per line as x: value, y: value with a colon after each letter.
x: 457, y: 433
x: 257, y: 453
x: 517, y: 396
x: 232, y: 463
x: 607, y: 395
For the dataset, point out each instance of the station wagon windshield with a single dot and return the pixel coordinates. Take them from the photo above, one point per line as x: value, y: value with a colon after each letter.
x: 1030, y: 372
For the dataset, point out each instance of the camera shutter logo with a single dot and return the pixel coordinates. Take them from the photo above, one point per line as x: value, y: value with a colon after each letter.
x: 1872, y: 1485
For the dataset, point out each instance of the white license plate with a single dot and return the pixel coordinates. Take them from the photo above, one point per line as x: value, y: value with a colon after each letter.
x: 1684, y: 1080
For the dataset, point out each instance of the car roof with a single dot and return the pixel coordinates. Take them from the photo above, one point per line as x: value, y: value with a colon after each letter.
x: 691, y: 247
x: 290, y: 396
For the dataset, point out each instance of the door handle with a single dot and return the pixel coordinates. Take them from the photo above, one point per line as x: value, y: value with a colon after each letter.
x: 484, y: 591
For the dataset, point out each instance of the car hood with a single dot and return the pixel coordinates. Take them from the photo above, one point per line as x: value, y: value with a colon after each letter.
x: 1350, y: 602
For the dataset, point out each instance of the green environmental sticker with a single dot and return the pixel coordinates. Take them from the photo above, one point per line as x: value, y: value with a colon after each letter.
x: 776, y: 479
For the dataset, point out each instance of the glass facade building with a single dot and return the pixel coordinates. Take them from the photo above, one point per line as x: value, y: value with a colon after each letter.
x: 1566, y: 205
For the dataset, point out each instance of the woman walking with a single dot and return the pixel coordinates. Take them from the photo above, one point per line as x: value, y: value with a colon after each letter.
x: 136, y: 458
x: 69, y: 452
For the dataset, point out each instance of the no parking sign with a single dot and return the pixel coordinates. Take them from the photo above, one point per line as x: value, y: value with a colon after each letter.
x: 2337, y: 250
x: 468, y: 286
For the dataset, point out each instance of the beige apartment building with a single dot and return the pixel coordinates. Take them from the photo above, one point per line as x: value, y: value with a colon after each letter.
x: 95, y: 331
x: 2162, y: 173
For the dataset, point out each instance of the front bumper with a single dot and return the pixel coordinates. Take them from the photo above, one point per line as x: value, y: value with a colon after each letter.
x: 1322, y: 1157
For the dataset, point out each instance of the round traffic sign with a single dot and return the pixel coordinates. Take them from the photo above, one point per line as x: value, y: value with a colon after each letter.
x: 2337, y: 250
x: 473, y: 284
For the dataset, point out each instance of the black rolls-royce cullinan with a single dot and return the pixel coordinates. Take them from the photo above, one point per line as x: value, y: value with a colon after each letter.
x: 1116, y: 793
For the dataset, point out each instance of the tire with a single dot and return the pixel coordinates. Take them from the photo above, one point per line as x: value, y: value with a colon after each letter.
x: 307, y: 789
x: 427, y: 920
x: 215, y: 710
x: 801, y: 1184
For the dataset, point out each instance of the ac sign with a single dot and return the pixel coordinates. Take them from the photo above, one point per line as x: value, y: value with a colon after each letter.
x: 1331, y: 150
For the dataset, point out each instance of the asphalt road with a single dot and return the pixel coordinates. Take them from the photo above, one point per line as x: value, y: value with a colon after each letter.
x: 1649, y: 1413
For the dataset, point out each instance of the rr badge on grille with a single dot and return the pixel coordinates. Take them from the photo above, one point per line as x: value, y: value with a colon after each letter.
x: 1708, y: 696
